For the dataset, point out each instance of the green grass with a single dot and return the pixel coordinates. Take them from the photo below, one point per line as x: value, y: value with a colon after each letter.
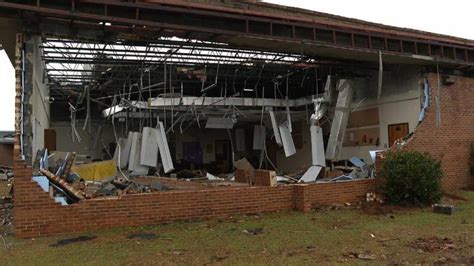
x: 288, y: 238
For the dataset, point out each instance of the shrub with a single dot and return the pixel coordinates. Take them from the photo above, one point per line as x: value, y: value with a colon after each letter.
x: 411, y: 178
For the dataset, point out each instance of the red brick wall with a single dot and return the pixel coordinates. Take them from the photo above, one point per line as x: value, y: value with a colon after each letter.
x: 35, y: 214
x: 450, y: 141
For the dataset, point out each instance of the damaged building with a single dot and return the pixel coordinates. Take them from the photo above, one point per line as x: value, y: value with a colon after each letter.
x: 140, y: 112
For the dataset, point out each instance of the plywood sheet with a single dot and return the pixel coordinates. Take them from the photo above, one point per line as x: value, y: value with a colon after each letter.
x: 96, y: 171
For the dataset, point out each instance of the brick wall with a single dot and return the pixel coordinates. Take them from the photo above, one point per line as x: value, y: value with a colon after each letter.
x: 450, y: 141
x: 35, y: 214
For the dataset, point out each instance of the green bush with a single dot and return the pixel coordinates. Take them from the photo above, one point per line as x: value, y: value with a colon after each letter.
x: 411, y: 178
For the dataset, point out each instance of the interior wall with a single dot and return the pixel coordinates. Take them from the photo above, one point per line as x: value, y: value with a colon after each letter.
x: 86, y: 146
x: 40, y: 116
x: 396, y: 109
x: 400, y: 102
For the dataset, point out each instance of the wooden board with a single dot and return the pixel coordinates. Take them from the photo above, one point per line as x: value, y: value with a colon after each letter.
x: 362, y: 137
x: 364, y: 118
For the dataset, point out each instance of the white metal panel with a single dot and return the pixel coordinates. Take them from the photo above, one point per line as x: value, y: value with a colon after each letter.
x: 276, y: 131
x: 134, y: 162
x: 125, y: 151
x: 287, y: 140
x: 317, y: 146
x: 164, y: 149
x: 259, y: 133
x: 341, y: 117
x: 311, y: 174
x: 149, y: 149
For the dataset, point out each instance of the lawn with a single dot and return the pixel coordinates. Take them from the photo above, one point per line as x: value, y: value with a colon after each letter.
x: 344, y: 234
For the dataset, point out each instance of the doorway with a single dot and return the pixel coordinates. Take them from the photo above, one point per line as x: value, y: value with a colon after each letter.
x: 223, y: 156
x: 396, y: 132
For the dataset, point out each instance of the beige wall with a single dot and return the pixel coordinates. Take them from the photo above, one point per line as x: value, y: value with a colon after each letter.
x: 40, y: 116
x: 85, y: 147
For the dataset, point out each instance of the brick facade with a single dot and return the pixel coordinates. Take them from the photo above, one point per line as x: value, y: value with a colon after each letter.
x: 450, y: 141
x: 36, y: 214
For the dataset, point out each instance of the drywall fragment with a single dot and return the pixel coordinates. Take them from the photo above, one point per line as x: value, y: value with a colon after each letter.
x: 311, y: 174
x: 287, y: 139
x: 42, y: 181
x: 149, y: 148
x: 357, y: 162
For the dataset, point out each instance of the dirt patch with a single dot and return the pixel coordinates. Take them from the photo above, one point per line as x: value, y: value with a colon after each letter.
x: 433, y: 244
x: 375, y: 208
x: 453, y: 197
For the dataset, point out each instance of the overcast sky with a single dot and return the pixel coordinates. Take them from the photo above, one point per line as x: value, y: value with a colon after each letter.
x: 454, y: 17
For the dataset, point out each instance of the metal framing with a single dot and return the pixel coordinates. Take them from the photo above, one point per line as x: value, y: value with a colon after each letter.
x: 234, y: 22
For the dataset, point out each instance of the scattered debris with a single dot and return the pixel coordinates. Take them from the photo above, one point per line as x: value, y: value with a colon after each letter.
x: 443, y: 209
x: 373, y: 197
x: 6, y: 216
x: 356, y: 255
x: 433, y: 244
x: 68, y: 241
x: 217, y: 258
x: 254, y: 231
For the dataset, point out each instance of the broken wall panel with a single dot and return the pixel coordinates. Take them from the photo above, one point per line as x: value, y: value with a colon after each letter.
x: 311, y: 174
x: 125, y: 152
x: 165, y: 154
x: 317, y: 146
x: 134, y: 162
x: 341, y: 116
x: 287, y: 139
x: 276, y: 131
x: 149, y: 147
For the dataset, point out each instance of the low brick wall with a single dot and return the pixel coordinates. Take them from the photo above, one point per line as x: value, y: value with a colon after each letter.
x: 35, y: 214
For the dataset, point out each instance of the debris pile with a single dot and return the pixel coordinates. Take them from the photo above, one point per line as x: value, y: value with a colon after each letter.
x: 6, y: 214
x: 6, y: 173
